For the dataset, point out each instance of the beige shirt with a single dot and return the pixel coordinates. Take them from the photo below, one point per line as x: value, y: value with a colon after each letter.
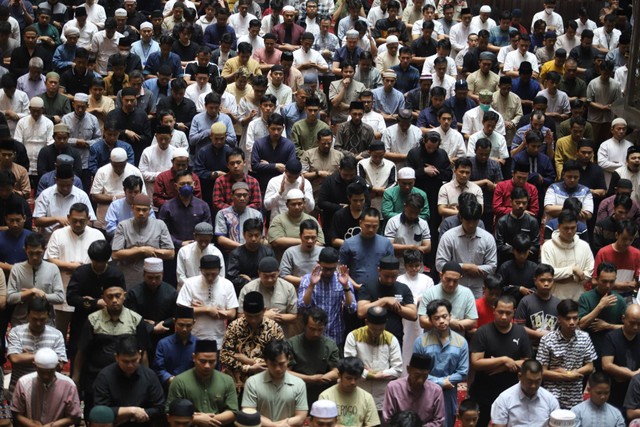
x: 449, y: 192
x: 478, y: 81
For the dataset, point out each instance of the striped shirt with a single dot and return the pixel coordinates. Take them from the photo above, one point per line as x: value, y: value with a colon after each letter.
x: 46, y: 403
x: 554, y: 352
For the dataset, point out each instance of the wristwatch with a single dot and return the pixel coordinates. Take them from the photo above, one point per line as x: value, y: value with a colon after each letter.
x: 346, y: 290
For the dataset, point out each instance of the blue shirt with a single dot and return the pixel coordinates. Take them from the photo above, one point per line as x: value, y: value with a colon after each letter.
x: 292, y: 114
x: 459, y: 108
x: 201, y: 130
x: 429, y: 118
x: 343, y: 54
x: 213, y: 34
x: 539, y: 165
x: 99, y: 154
x: 525, y: 91
x: 173, y: 357
x: 497, y: 37
x: 152, y: 86
x: 155, y: 60
x: 63, y: 56
x: 119, y: 211
x: 362, y: 256
x: 406, y: 80
x: 49, y: 179
x: 12, y: 248
x: 388, y: 103
x: 143, y: 51
x: 330, y: 297
x: 263, y: 150
x: 588, y: 414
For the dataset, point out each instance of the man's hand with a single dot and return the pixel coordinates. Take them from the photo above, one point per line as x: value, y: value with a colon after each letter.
x: 140, y: 415
x: 446, y: 384
x: 202, y: 419
x: 607, y: 301
x: 62, y: 220
x: 38, y: 293
x: 315, y: 276
x: 431, y: 170
x: 257, y: 367
x: 343, y: 276
x: 524, y: 291
x: 160, y: 328
x: 599, y: 325
x: 273, y: 314
x: 81, y: 143
x: 511, y: 365
x: 282, y: 186
x: 213, y: 312
x: 132, y: 135
x: 578, y: 273
x: 346, y: 81
x: 280, y: 167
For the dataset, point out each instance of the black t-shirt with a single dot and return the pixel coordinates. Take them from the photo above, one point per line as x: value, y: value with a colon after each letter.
x: 400, y: 291
x: 493, y: 343
x: 537, y: 313
x: 514, y: 276
x: 344, y: 225
x: 625, y: 353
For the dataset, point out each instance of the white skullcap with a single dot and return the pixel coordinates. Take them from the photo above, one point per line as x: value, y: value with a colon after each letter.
x: 392, y: 39
x: 36, y: 102
x: 295, y: 194
x: 46, y: 358
x: 407, y: 173
x: 72, y: 31
x: 121, y: 13
x: 324, y: 409
x: 179, y: 152
x: 562, y: 418
x: 148, y: 25
x: 288, y: 9
x: 118, y: 155
x: 618, y: 121
x: 81, y: 97
x: 485, y: 9
x: 153, y: 265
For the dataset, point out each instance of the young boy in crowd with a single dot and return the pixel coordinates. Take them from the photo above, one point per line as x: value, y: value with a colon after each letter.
x: 517, y: 273
x: 468, y: 413
x: 492, y: 290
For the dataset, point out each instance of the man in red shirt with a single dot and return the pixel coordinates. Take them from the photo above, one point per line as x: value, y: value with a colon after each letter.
x: 502, y: 193
x: 164, y: 188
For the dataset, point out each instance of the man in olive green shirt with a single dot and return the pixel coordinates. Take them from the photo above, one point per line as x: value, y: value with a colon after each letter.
x: 212, y: 393
x: 284, y: 230
x: 304, y: 133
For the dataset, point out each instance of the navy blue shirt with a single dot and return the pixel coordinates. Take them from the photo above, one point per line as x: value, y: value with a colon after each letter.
x: 12, y: 247
x: 525, y: 91
x: 173, y: 357
x: 213, y: 34
x: 263, y: 150
x: 406, y: 80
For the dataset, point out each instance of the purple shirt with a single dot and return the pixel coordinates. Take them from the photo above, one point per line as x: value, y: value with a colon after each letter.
x: 181, y: 219
x: 428, y: 404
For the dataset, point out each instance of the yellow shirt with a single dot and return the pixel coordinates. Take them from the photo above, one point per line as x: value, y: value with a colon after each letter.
x: 550, y: 66
x: 566, y: 149
x: 232, y: 65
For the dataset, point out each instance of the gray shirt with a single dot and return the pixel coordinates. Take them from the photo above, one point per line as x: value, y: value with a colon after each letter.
x: 295, y: 262
x: 129, y: 235
x: 23, y: 276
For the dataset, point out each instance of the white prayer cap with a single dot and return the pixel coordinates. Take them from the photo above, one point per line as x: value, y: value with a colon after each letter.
x: 148, y: 25
x: 324, y: 409
x: 295, y: 194
x: 81, y: 97
x: 407, y: 173
x: 46, y: 358
x: 153, y: 265
x: 618, y: 121
x: 179, y: 152
x: 121, y: 13
x: 288, y: 9
x: 118, y: 155
x: 72, y: 31
x: 392, y: 39
x: 562, y: 418
x: 36, y: 102
x: 485, y: 9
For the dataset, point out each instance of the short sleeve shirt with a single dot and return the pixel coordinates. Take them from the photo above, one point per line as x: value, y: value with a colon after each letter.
x: 402, y: 293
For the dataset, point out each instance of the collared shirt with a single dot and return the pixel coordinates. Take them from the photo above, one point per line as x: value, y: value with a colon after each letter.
x: 393, y: 202
x: 201, y: 129
x: 449, y: 192
x: 86, y: 33
x: 65, y: 245
x: 86, y: 128
x: 104, y: 48
x: 479, y: 249
x: 463, y: 304
x: 34, y: 135
x: 45, y: 277
x: 21, y: 340
x: 181, y: 220
x: 218, y: 294
x: 164, y: 188
x: 388, y: 102
x: 498, y: 145
x: 428, y: 402
x: 472, y: 122
x: 213, y: 396
x: 353, y: 139
x: 188, y: 260
x: 331, y: 298
x: 173, y: 357
x: 222, y: 192
x: 515, y: 409
x: 155, y: 60
x: 46, y: 403
x: 240, y: 338
x: 328, y: 42
x: 229, y: 222
x: 588, y: 414
x: 515, y: 58
x: 144, y: 50
x: 555, y: 351
x: 51, y: 203
x: 274, y: 199
x: 119, y: 211
x: 397, y: 141
x: 276, y: 401
x: 31, y: 87
x: 558, y: 193
x: 19, y: 104
x: 157, y: 305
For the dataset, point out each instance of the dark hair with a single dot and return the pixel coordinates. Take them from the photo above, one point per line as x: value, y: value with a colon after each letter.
x: 370, y: 212
x: 567, y: 306
x: 244, y: 47
x: 554, y: 76
x: 543, y: 268
x: 79, y: 207
x: 131, y: 182
x: 212, y: 98
x: 519, y: 193
x: 468, y: 405
x: 355, y: 188
x: 348, y: 163
x: 484, y: 142
x: 412, y: 256
x: 317, y: 314
x: 572, y: 204
x: 7, y: 178
x: 445, y: 110
x: 433, y: 306
x: 623, y: 200
x: 39, y: 304
x: 464, y: 162
x: 8, y: 81
x: 531, y: 365
x: 178, y: 84
x: 98, y: 82
x: 100, y: 251
x: 493, y: 282
x: 324, y: 132
x: 521, y: 243
x: 415, y: 201
x: 275, y: 119
x: 275, y: 348
x: 507, y: 299
x: 235, y: 152
x: 252, y: 224
x: 308, y: 224
x: 180, y: 174
x: 351, y: 366
x: 268, y: 98
x: 438, y: 91
x: 567, y: 216
x: 599, y: 377
x: 127, y: 345
x: 490, y: 116
x: 627, y: 225
x: 34, y: 240
x: 570, y: 165
x: 471, y: 211
x: 606, y: 267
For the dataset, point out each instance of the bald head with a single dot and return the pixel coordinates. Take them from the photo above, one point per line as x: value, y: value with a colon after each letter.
x: 631, y: 321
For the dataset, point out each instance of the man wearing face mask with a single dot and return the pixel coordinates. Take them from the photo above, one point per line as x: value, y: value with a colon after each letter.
x: 472, y: 119
x: 550, y: 17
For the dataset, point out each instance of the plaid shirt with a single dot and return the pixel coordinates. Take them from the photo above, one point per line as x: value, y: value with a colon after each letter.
x: 222, y: 192
x: 331, y: 298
